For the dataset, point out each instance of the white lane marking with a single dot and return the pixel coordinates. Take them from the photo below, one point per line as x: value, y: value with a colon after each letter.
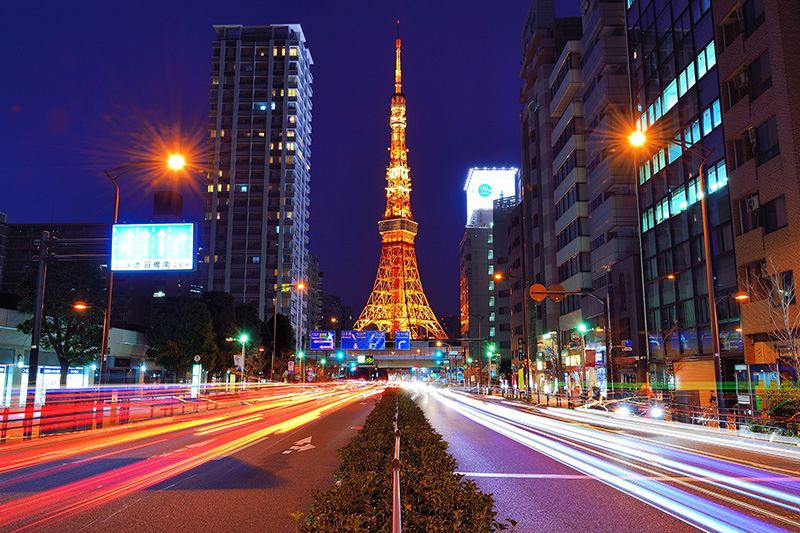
x: 524, y: 476
x: 301, y: 445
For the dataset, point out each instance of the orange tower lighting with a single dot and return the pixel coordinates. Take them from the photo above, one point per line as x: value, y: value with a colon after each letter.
x: 397, y: 301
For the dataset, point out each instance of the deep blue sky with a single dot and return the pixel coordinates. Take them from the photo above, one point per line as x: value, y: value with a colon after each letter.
x: 82, y: 76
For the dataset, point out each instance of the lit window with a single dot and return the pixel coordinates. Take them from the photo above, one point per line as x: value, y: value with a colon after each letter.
x: 293, y: 51
x: 490, y: 255
x: 491, y: 269
x: 243, y: 188
x: 292, y: 92
x: 256, y: 259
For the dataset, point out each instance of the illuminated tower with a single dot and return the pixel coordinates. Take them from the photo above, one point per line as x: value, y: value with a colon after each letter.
x: 397, y: 302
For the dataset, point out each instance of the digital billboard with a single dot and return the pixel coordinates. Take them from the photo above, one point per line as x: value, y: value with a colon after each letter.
x: 322, y: 340
x: 152, y: 247
x: 402, y: 340
x: 485, y: 185
x: 363, y: 340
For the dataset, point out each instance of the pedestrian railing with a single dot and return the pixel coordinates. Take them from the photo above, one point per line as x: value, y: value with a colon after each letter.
x: 65, y: 411
x: 397, y: 525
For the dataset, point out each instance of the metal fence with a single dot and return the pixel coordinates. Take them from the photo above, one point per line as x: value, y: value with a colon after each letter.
x: 397, y: 522
x: 69, y: 410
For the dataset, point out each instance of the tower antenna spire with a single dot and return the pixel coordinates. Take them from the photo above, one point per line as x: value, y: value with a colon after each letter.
x: 398, y: 82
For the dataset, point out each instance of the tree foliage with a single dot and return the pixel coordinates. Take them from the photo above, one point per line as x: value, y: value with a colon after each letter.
x: 74, y: 336
x: 222, y: 308
x: 285, y: 345
x: 180, y: 329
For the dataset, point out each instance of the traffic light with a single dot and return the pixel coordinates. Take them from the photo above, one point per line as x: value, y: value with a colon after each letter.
x: 300, y: 355
x: 340, y: 355
x: 439, y: 353
x: 583, y: 328
x: 323, y: 361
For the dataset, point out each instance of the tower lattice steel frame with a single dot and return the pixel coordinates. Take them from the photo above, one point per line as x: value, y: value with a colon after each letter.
x: 397, y: 302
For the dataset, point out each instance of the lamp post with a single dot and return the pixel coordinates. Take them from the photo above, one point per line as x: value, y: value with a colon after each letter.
x: 638, y: 139
x: 282, y: 287
x: 174, y: 162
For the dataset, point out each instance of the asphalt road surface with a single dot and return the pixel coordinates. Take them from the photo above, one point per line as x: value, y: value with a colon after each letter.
x: 560, y: 470
x: 245, y: 469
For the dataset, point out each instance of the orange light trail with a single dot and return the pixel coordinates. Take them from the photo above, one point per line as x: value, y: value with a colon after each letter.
x: 221, y: 436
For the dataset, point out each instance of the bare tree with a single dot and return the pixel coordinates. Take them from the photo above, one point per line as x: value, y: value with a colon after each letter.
x: 783, y: 313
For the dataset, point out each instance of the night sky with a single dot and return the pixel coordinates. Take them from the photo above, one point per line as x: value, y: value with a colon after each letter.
x: 83, y: 80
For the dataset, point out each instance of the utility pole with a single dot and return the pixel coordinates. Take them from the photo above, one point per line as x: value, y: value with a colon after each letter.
x: 36, y: 334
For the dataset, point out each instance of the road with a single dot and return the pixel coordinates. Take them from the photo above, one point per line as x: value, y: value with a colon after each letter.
x: 243, y: 468
x: 563, y: 470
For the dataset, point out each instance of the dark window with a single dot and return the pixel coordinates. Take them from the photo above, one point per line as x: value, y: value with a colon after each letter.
x: 773, y: 214
x: 760, y: 75
x: 753, y: 13
x: 767, y: 141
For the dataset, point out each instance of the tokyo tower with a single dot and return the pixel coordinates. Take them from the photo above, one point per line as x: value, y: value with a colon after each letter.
x: 397, y: 302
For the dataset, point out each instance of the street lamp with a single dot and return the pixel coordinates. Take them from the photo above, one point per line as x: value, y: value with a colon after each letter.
x: 300, y: 286
x: 638, y: 140
x: 175, y: 162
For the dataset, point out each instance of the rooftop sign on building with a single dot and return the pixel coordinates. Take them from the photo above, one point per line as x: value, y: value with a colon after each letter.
x: 485, y: 185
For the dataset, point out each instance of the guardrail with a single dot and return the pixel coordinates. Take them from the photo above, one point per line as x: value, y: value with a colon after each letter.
x: 397, y: 522
x: 66, y: 411
x: 732, y: 419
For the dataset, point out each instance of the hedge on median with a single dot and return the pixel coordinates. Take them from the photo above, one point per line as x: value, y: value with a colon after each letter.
x: 434, y: 498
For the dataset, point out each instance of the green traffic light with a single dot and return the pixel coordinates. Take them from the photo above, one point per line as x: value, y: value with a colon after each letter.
x: 323, y: 361
x: 244, y: 337
x: 340, y: 355
x: 583, y: 328
x: 300, y: 355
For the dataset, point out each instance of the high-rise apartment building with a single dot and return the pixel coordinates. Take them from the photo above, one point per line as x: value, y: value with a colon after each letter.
x: 760, y: 101
x: 533, y: 245
x: 610, y: 191
x: 571, y: 213
x: 675, y: 88
x: 257, y: 196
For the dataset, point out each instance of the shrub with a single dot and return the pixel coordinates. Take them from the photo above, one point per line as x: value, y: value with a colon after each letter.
x: 433, y: 496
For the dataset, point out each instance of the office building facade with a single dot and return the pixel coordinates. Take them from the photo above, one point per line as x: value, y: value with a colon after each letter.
x: 675, y: 88
x: 257, y: 200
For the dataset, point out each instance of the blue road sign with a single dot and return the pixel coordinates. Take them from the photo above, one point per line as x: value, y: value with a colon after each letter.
x: 402, y: 340
x: 363, y: 340
x: 322, y: 340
